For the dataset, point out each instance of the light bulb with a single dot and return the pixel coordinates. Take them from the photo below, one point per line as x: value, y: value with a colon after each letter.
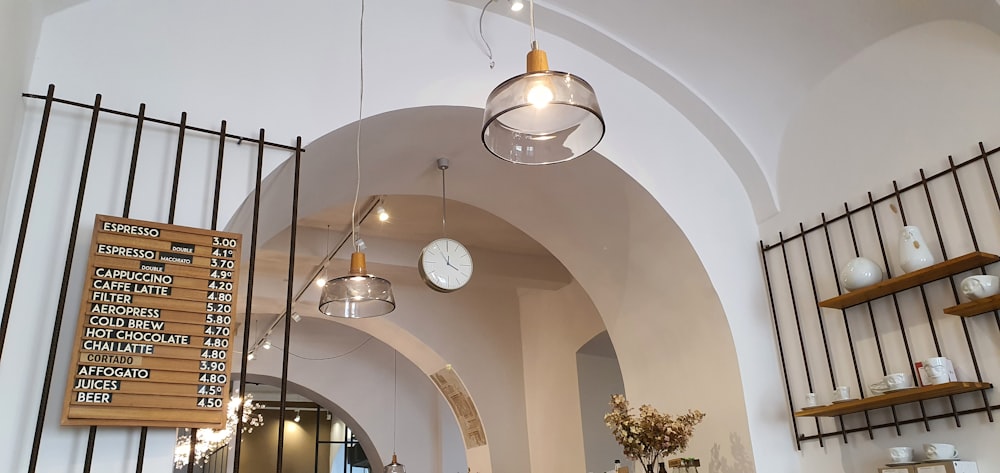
x: 321, y: 281
x: 250, y: 356
x: 516, y: 5
x: 266, y: 345
x: 382, y: 214
x: 540, y: 95
x: 297, y: 416
x: 296, y: 317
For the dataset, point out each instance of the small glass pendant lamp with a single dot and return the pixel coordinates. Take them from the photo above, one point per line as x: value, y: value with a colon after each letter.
x: 541, y: 116
x: 394, y: 467
x: 357, y: 295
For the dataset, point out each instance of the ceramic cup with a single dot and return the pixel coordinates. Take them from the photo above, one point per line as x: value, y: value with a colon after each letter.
x: 940, y: 451
x: 860, y: 272
x: 811, y: 400
x: 936, y: 369
x: 842, y: 393
x: 978, y: 287
x: 901, y: 454
x: 891, y: 382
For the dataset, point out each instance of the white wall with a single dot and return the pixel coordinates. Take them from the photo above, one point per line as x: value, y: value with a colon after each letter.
x: 903, y: 104
x: 554, y: 324
x: 600, y: 378
x: 18, y: 37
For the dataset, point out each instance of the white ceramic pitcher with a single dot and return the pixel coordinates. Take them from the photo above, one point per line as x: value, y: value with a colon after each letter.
x: 913, y: 251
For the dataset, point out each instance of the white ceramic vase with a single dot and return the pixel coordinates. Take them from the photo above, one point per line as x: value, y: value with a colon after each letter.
x: 860, y: 272
x: 913, y: 251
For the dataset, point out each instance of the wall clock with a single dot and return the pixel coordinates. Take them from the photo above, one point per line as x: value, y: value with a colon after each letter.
x: 445, y: 265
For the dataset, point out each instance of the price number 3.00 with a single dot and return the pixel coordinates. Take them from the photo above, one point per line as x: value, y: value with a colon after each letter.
x: 225, y: 242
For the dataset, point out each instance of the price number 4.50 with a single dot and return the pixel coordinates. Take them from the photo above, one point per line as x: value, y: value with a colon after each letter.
x: 211, y: 402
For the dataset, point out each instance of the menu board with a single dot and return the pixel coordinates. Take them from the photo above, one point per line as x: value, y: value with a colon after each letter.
x: 154, y: 341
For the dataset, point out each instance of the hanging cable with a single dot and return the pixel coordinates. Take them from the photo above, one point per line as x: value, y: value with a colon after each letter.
x: 357, y: 144
x: 489, y: 50
x: 442, y: 165
x: 531, y: 15
x: 395, y: 354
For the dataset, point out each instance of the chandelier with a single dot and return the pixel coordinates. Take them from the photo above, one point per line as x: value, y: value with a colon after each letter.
x: 211, y: 440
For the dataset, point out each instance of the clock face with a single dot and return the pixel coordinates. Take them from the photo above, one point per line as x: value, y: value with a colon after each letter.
x: 445, y: 265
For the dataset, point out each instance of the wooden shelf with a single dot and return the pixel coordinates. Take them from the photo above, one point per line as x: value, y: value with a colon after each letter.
x: 891, y: 399
x: 976, y: 307
x: 909, y: 280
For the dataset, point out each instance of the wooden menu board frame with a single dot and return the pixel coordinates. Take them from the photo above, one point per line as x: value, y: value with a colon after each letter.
x: 154, y: 340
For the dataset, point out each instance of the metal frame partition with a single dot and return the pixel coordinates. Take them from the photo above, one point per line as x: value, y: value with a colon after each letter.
x: 140, y: 121
x: 823, y: 348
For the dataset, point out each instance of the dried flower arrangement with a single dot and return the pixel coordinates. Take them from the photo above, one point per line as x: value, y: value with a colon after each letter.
x: 650, y: 434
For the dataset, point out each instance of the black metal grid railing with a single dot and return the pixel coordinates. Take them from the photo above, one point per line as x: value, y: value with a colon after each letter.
x: 819, y: 346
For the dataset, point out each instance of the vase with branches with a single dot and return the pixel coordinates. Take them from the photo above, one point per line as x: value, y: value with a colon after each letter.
x: 648, y: 435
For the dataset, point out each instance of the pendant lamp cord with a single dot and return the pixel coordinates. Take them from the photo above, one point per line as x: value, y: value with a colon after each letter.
x: 444, y: 206
x: 489, y: 50
x: 531, y: 17
x: 394, y: 356
x: 357, y: 144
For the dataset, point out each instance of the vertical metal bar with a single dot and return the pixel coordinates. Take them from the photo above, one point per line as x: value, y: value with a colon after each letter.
x: 191, y: 456
x: 822, y: 324
x: 923, y: 294
x: 61, y: 306
x: 798, y: 326
x: 951, y: 281
x: 996, y: 198
x: 871, y: 313
x: 847, y: 324
x: 316, y: 454
x: 144, y: 431
x: 26, y: 215
x: 218, y: 174
x: 142, y: 450
x: 249, y: 314
x: 781, y: 348
x: 177, y: 166
x: 89, y: 457
x: 975, y: 244
x: 289, y: 296
x: 135, y: 159
x: 899, y: 315
x: 819, y: 315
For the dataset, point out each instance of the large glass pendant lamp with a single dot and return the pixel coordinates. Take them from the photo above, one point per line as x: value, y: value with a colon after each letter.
x: 542, y: 116
x: 358, y: 294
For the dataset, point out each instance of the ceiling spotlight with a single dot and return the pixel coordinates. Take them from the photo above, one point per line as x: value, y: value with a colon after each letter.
x: 321, y: 281
x: 297, y: 416
x: 383, y: 216
x: 250, y: 356
x: 516, y: 5
x: 329, y: 416
x: 296, y: 317
x: 266, y: 345
x: 541, y: 116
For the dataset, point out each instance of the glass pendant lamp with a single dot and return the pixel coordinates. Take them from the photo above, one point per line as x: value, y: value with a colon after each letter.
x: 357, y: 295
x: 541, y: 116
x: 394, y: 467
